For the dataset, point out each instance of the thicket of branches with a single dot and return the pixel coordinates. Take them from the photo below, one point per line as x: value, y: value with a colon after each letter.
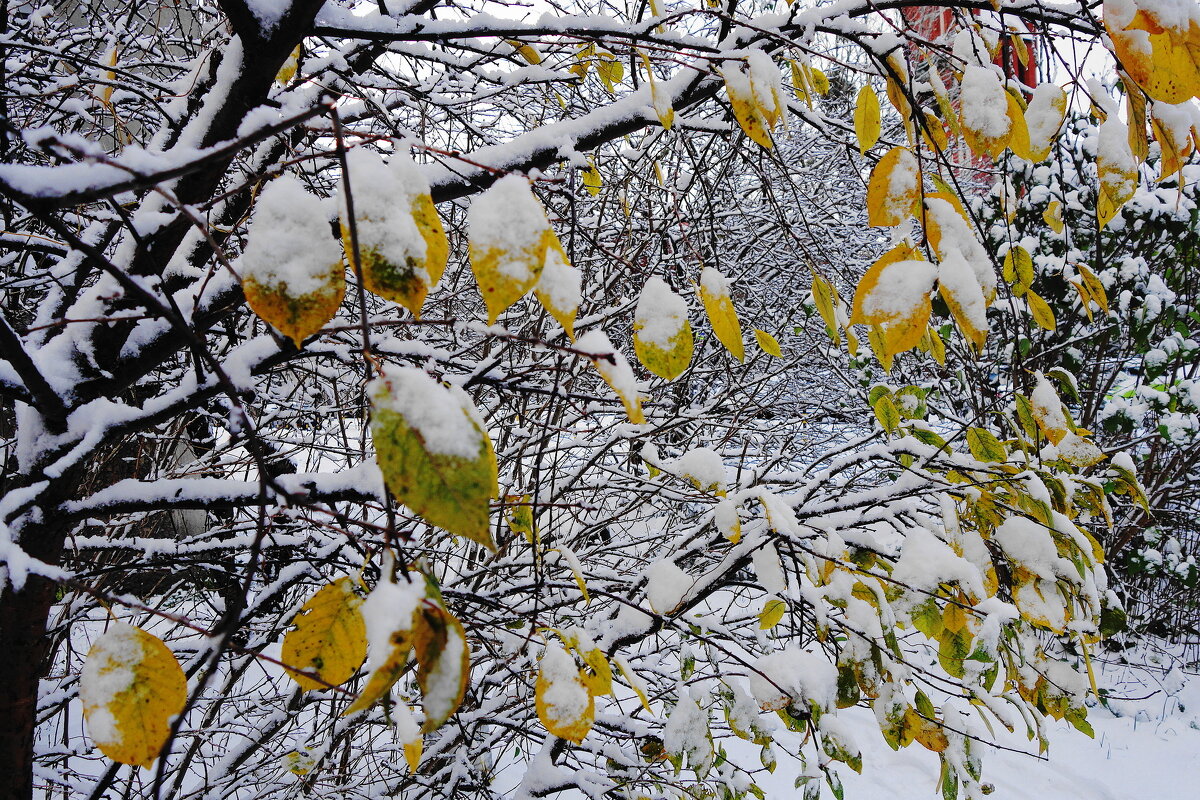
x: 784, y: 536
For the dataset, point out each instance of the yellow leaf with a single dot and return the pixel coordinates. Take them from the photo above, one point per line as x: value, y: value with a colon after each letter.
x: 1040, y: 310
x: 1019, y: 137
x: 1116, y: 168
x: 768, y: 343
x: 1041, y: 122
x: 894, y: 294
x: 559, y: 288
x: 894, y: 191
x: 564, y: 704
x: 867, y: 119
x: 401, y: 240
x: 299, y: 762
x: 634, y: 682
x: 662, y: 335
x: 526, y: 51
x: 1135, y: 112
x: 130, y: 687
x: 1095, y: 288
x: 659, y: 98
x: 1161, y: 55
x: 960, y: 289
x: 1047, y: 411
x: 818, y: 80
x: 611, y: 71
x: 747, y: 108
x: 443, y: 662
x: 929, y: 734
x: 329, y: 638
x: 985, y: 131
x: 825, y: 297
x: 434, y: 452
x: 509, y: 237
x: 592, y: 180
x: 519, y: 510
x: 288, y: 70
x: 1053, y: 216
x: 772, y: 612
x: 1018, y: 269
x: 412, y: 754
x: 615, y: 371
x: 718, y: 305
x: 292, y: 273
x: 598, y: 673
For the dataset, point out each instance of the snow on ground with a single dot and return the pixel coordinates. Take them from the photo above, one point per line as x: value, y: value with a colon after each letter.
x: 1146, y: 746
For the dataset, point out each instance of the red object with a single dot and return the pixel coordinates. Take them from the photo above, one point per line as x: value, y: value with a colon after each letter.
x: 931, y: 22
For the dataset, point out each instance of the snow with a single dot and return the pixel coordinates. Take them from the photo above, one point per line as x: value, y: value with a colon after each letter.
x: 713, y: 282
x: 617, y: 373
x: 661, y: 314
x: 794, y: 676
x: 107, y: 672
x: 926, y: 561
x: 435, y: 411
x: 289, y: 240
x: 509, y: 219
x: 901, y: 286
x: 565, y: 696
x: 704, y: 466
x: 383, y: 197
x: 666, y: 585
x: 388, y: 610
x: 1044, y: 115
x: 769, y: 568
x: 686, y: 731
x: 560, y: 282
x: 1046, y: 406
x: 1027, y: 543
x: 984, y: 102
x: 958, y: 278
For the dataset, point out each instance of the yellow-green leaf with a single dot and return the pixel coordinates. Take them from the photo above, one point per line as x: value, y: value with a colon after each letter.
x: 718, y: 305
x: 509, y: 237
x: 329, y: 638
x: 1018, y: 269
x: 434, y: 453
x: 867, y: 118
x: 390, y: 613
x: 130, y: 687
x: 768, y: 343
x: 662, y: 335
x: 985, y: 446
x: 772, y: 612
x: 400, y: 237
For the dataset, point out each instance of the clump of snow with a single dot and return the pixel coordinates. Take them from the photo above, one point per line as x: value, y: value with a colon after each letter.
x: 383, y: 196
x: 926, y: 561
x: 565, y: 696
x: 1030, y: 545
x: 955, y: 234
x: 686, y: 732
x: 509, y: 219
x: 704, y: 467
x: 904, y: 183
x: 560, y: 282
x: 107, y: 673
x: 984, y: 102
x: 666, y: 585
x: 957, y: 277
x: 388, y: 610
x: 289, y: 241
x: 769, y: 568
x: 444, y: 681
x: 901, y: 286
x: 1046, y: 405
x: 435, y: 411
x: 1044, y: 115
x: 793, y: 676
x: 713, y: 282
x: 661, y: 314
